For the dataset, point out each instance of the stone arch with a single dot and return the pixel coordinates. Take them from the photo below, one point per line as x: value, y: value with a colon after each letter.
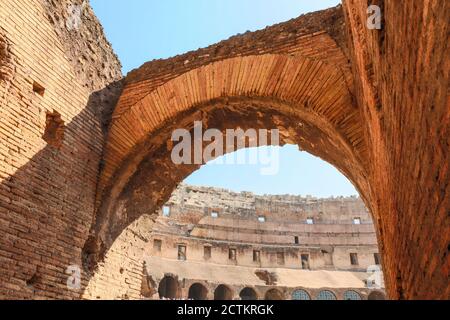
x: 223, y: 292
x: 376, y: 295
x: 326, y: 295
x: 197, y: 291
x: 300, y: 294
x: 168, y: 288
x: 273, y: 294
x: 248, y: 294
x: 307, y: 99
x: 352, y: 295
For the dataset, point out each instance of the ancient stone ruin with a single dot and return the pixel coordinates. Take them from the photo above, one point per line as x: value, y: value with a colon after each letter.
x: 276, y: 247
x: 85, y: 161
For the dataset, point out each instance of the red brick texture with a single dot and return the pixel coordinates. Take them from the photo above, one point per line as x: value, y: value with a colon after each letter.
x: 48, y: 178
x: 374, y: 103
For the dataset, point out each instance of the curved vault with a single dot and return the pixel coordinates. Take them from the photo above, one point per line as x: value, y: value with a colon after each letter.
x: 306, y: 98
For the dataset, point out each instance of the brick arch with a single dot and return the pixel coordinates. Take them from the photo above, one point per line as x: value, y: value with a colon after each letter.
x: 308, y: 83
x: 307, y: 98
x: 393, y: 146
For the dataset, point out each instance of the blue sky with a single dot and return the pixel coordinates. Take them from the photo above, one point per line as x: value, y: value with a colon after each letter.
x: 143, y: 30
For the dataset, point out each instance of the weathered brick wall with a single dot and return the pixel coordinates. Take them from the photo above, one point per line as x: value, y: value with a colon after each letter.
x: 47, y: 193
x: 402, y: 84
x: 399, y: 126
x: 120, y: 274
x: 47, y: 187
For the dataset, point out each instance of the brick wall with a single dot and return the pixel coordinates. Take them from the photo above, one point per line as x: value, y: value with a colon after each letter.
x: 47, y: 192
x: 402, y: 80
x: 64, y: 83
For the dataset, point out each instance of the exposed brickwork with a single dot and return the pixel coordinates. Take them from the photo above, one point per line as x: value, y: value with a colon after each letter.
x: 367, y: 135
x: 47, y: 193
x: 402, y: 80
x: 381, y: 117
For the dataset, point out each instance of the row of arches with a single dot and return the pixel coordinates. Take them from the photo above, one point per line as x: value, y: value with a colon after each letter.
x: 168, y: 289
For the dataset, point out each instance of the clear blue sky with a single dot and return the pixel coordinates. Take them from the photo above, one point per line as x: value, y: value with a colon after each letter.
x: 143, y: 30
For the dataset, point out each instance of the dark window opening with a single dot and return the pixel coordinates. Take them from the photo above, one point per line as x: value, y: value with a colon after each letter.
x: 256, y: 256
x: 222, y: 292
x: 168, y: 288
x: 376, y: 295
x: 296, y: 240
x: 157, y: 245
x: 181, y: 252
x: 54, y: 129
x: 232, y: 254
x: 273, y: 294
x: 207, y: 252
x: 39, y: 89
x: 354, y: 259
x: 305, y: 261
x: 197, y: 292
x: 248, y: 294
x: 377, y: 258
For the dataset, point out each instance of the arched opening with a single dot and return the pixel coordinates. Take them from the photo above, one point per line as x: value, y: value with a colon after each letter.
x: 139, y: 175
x: 273, y: 294
x: 326, y: 295
x: 197, y: 291
x: 331, y: 131
x: 223, y: 292
x: 140, y: 187
x: 377, y: 295
x: 352, y: 295
x: 300, y: 294
x: 248, y: 294
x: 168, y: 288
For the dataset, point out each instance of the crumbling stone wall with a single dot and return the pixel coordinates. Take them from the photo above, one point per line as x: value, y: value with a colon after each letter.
x: 47, y: 190
x: 284, y: 231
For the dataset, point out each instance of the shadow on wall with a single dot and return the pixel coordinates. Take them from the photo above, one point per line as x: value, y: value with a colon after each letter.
x: 47, y: 205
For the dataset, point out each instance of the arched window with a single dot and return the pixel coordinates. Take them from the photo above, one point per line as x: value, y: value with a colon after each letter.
x: 222, y: 292
x: 197, y: 292
x: 248, y: 294
x: 351, y: 295
x: 326, y: 295
x: 273, y: 294
x: 377, y: 295
x: 168, y: 288
x: 300, y: 295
